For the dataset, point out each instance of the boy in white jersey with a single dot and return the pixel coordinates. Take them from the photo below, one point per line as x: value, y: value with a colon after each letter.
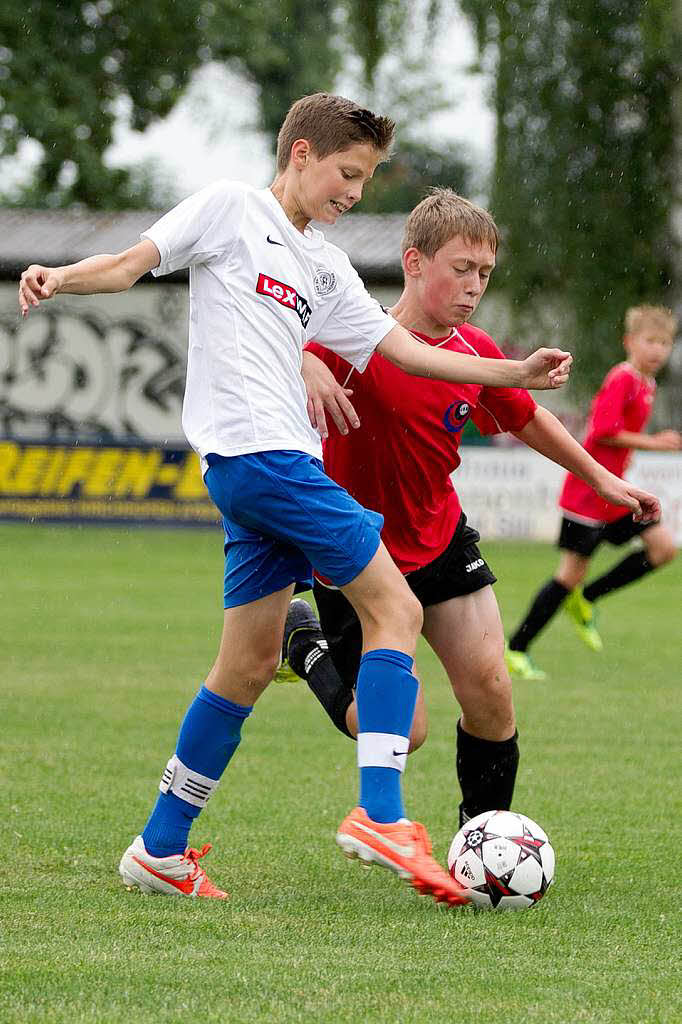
x: 263, y: 282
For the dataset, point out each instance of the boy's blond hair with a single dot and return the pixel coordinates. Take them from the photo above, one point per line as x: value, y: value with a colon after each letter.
x: 331, y: 124
x: 636, y: 317
x: 444, y: 215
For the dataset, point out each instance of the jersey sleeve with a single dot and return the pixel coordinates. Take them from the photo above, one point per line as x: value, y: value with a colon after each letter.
x: 607, y: 415
x: 199, y: 228
x: 500, y: 409
x: 353, y: 324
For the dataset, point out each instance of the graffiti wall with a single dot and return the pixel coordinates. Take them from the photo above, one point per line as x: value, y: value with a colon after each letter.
x: 90, y: 408
x: 95, y: 368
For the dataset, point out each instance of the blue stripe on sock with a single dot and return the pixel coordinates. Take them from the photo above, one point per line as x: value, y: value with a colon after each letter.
x: 209, y: 735
x: 386, y: 694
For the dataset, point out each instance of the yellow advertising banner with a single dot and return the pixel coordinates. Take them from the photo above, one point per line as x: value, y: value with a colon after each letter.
x: 102, y: 483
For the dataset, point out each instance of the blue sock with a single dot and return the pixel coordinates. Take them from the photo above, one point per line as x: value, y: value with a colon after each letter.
x: 386, y: 694
x: 209, y: 735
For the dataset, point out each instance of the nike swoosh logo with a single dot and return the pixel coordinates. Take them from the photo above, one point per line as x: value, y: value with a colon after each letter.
x: 181, y: 885
x: 402, y: 851
x: 400, y: 753
x: 273, y: 242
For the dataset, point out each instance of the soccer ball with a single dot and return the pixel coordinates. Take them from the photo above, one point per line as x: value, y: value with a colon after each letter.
x: 504, y: 860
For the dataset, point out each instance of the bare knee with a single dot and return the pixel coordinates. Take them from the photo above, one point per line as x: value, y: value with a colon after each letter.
x: 247, y: 676
x: 402, y: 610
x: 572, y: 570
x: 487, y: 704
x: 661, y: 550
x: 393, y: 619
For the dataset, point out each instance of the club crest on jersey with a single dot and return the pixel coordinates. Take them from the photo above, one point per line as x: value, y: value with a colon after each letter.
x: 456, y: 416
x: 286, y: 296
x: 324, y: 281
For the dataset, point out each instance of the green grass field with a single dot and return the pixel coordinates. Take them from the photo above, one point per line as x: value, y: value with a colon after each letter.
x: 106, y: 635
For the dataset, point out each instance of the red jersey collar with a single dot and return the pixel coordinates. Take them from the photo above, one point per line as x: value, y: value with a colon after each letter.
x: 435, y: 341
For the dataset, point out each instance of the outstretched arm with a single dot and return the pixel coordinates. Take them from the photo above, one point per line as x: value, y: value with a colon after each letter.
x: 545, y: 368
x: 663, y: 441
x: 105, y: 273
x: 545, y: 434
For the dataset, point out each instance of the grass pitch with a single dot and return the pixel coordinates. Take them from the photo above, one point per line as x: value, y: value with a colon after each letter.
x: 107, y: 634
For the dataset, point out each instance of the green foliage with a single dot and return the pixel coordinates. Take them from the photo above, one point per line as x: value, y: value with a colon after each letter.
x: 66, y: 67
x: 65, y: 63
x: 584, y: 173
x: 288, y: 48
x: 399, y: 185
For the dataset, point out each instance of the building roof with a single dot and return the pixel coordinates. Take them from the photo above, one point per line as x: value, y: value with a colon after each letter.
x: 57, y: 237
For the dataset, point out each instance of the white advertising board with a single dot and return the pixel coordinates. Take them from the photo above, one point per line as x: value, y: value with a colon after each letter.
x: 511, y: 492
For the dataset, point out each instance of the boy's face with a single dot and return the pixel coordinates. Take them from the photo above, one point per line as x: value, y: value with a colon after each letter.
x: 330, y: 186
x: 648, y: 348
x: 451, y: 285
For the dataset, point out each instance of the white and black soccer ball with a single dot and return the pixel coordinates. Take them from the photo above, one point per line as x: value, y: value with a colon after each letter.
x: 504, y: 860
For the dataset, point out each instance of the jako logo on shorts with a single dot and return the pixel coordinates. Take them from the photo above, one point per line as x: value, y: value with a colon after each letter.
x: 285, y: 295
x: 456, y: 416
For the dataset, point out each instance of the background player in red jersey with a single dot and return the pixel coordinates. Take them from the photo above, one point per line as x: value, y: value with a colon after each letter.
x: 400, y: 464
x: 619, y: 413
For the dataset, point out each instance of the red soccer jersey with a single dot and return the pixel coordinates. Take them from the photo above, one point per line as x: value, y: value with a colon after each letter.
x: 400, y: 459
x: 623, y: 402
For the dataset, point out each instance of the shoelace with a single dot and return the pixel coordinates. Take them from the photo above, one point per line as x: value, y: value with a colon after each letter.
x: 195, y: 856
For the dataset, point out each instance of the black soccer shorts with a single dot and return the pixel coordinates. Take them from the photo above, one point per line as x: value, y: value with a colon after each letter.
x: 584, y: 540
x: 459, y: 570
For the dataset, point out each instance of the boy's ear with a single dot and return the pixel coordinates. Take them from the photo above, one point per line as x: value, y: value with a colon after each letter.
x: 412, y: 262
x: 300, y: 153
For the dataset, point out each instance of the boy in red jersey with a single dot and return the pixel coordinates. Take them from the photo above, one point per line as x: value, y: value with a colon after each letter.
x: 619, y: 413
x: 400, y: 464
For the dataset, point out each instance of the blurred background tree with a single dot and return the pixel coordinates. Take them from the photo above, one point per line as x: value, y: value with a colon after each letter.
x: 66, y: 66
x: 585, y: 175
x: 63, y: 66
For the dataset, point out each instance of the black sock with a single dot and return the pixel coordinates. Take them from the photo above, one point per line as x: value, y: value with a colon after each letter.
x: 627, y: 571
x: 486, y: 770
x: 310, y: 659
x: 544, y: 606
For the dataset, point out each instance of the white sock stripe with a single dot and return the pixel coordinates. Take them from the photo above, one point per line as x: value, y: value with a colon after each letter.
x: 382, y: 750
x: 186, y: 784
x: 313, y: 657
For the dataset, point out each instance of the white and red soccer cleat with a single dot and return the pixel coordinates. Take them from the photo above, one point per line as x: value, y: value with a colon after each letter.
x: 402, y: 846
x: 177, y: 875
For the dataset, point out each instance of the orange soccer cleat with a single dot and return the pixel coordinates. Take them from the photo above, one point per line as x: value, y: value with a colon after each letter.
x: 402, y: 846
x: 177, y: 875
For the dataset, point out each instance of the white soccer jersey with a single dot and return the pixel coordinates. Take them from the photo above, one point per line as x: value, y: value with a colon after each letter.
x: 258, y: 291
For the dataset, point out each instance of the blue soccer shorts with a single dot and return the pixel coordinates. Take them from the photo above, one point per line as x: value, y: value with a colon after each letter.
x: 283, y: 515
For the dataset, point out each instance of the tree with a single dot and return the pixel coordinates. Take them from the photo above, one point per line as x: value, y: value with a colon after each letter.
x: 63, y: 65
x: 399, y: 185
x: 584, y: 176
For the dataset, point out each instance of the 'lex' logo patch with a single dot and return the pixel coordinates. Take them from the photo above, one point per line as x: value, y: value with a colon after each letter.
x: 286, y: 296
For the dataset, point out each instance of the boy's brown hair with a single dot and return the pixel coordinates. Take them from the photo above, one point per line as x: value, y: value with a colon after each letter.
x: 444, y: 215
x: 636, y: 317
x: 331, y: 124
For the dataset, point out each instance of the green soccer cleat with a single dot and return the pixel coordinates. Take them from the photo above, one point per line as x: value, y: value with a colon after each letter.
x: 520, y: 666
x: 582, y: 614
